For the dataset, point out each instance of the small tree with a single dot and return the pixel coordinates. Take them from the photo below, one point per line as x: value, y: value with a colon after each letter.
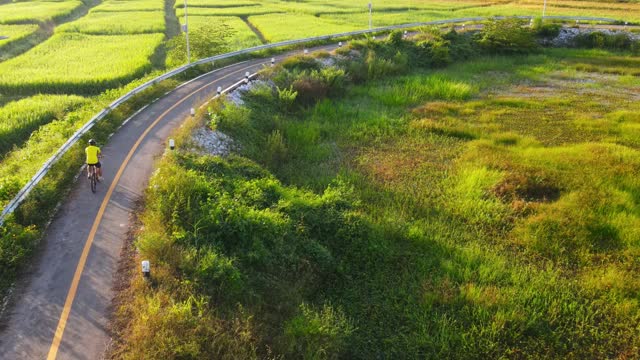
x: 508, y: 36
x: 204, y: 41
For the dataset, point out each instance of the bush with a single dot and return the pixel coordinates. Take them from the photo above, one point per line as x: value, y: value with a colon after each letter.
x: 435, y: 52
x: 16, y: 245
x: 508, y: 36
x: 546, y: 30
x: 601, y: 40
x: 306, y: 87
x: 204, y: 41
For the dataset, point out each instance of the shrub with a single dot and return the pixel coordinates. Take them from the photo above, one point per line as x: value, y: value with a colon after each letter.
x: 207, y: 40
x: 396, y: 38
x: 16, y: 245
x: 547, y: 30
x: 315, y: 85
x: 462, y: 46
x: 435, y: 52
x: 601, y: 40
x: 508, y: 36
x: 286, y: 98
x: 215, y: 273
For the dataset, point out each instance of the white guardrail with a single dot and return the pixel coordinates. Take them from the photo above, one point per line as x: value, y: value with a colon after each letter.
x: 31, y: 184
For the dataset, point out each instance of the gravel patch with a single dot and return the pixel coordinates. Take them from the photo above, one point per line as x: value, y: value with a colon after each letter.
x: 212, y: 142
x: 236, y: 95
x: 567, y: 35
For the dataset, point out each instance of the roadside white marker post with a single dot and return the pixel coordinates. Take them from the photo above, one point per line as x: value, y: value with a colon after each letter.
x: 370, y: 15
x: 273, y: 61
x: 406, y: 33
x: 340, y: 44
x: 146, y: 269
x: 192, y: 112
x: 374, y: 37
x: 219, y: 90
x: 306, y: 51
x: 186, y: 31
x: 172, y: 144
x: 246, y: 77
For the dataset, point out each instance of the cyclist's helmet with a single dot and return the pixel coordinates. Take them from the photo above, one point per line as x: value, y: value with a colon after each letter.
x: 92, y: 142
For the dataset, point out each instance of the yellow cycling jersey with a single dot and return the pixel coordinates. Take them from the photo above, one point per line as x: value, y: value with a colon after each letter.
x: 92, y: 154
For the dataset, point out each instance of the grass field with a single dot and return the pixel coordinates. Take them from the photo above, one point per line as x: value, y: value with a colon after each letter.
x: 36, y: 11
x: 489, y: 209
x: 77, y: 63
x: 117, y: 23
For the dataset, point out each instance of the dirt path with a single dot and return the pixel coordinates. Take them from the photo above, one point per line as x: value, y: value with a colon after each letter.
x: 255, y: 30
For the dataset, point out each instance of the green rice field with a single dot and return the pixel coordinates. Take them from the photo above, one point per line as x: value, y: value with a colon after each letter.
x: 303, y: 25
x: 16, y: 33
x: 128, y: 5
x: 117, y: 23
x: 78, y: 63
x: 18, y: 119
x: 36, y: 11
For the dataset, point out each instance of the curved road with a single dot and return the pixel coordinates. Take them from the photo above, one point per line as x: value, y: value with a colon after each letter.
x: 61, y: 309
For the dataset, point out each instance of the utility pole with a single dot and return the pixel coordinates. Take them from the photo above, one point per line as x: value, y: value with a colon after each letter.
x: 370, y: 15
x: 185, y: 28
x: 544, y: 8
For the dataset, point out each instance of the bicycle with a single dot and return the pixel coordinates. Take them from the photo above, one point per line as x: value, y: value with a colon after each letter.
x: 93, y: 177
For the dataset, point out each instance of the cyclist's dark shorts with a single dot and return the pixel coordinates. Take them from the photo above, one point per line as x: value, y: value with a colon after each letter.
x: 98, y: 165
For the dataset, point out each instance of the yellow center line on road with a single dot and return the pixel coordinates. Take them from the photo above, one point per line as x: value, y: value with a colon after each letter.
x: 66, y: 310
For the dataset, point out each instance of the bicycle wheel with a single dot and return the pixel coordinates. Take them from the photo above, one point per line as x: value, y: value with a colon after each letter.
x: 93, y: 181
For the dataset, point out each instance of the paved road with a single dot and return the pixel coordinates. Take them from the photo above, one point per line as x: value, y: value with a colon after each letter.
x: 90, y: 230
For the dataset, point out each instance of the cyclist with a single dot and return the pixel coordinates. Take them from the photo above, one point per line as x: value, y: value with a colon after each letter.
x: 93, y: 158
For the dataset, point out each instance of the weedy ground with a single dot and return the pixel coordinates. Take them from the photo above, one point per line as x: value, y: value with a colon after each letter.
x: 489, y: 209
